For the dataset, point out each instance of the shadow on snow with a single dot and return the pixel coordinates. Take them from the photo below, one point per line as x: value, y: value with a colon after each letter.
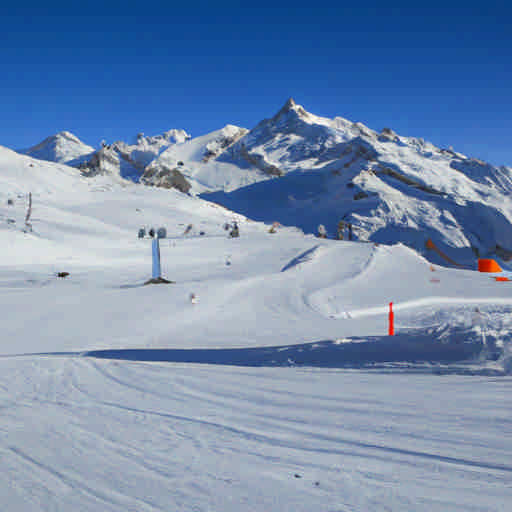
x: 416, y: 347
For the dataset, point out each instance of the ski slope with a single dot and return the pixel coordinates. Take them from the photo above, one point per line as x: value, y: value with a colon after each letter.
x: 91, y: 435
x: 277, y: 390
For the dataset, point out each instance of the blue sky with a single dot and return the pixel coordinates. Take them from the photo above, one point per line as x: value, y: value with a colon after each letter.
x: 441, y: 70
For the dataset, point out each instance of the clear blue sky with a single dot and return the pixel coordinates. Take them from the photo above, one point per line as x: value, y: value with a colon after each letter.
x: 439, y: 70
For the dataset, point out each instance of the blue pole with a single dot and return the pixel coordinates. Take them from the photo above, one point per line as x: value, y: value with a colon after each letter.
x: 156, y: 258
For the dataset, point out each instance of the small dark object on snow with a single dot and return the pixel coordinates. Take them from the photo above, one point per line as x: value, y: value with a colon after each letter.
x: 142, y: 232
x: 226, y: 226
x: 297, y: 475
x: 188, y: 229
x: 201, y: 233
x: 152, y: 233
x: 10, y: 202
x: 161, y: 233
x: 234, y: 233
x: 62, y: 274
x: 317, y: 483
x: 180, y: 164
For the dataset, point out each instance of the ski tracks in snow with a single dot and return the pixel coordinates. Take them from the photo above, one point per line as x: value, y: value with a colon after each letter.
x: 160, y: 436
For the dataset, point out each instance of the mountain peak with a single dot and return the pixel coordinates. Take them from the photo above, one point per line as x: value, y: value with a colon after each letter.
x: 173, y: 136
x: 62, y: 147
x: 290, y: 107
x: 67, y: 135
x: 290, y: 104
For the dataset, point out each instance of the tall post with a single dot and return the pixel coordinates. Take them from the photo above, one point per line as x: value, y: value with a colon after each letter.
x: 29, y: 212
x: 156, y: 274
x: 391, y: 331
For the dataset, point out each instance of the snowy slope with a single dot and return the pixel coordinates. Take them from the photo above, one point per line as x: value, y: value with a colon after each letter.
x: 117, y: 396
x: 295, y: 282
x: 64, y: 147
x: 80, y: 434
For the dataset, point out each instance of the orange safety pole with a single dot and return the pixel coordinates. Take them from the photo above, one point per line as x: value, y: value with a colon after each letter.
x: 391, y: 331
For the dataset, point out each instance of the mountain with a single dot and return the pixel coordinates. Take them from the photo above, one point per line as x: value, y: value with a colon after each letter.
x: 197, y: 160
x: 305, y: 170
x: 173, y: 160
x: 129, y: 160
x: 391, y: 188
x: 64, y: 147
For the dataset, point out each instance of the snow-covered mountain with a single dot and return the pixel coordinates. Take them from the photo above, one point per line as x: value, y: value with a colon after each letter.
x: 129, y: 160
x: 64, y: 147
x: 197, y: 160
x: 390, y: 188
x: 173, y: 160
x: 304, y: 170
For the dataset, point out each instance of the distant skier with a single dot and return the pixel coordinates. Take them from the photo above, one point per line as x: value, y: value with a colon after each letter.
x: 152, y: 233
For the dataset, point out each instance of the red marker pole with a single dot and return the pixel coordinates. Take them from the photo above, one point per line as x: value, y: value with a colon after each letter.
x: 391, y: 320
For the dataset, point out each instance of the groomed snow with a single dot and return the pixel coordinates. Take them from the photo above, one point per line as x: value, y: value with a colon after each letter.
x: 81, y: 434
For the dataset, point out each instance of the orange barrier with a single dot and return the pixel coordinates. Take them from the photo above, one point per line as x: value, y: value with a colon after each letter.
x: 502, y: 279
x: 488, y: 265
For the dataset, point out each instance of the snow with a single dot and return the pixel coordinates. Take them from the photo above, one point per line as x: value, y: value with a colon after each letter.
x: 82, y: 434
x: 276, y: 389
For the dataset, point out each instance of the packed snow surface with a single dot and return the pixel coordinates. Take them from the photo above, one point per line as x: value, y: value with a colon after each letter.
x: 276, y: 388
